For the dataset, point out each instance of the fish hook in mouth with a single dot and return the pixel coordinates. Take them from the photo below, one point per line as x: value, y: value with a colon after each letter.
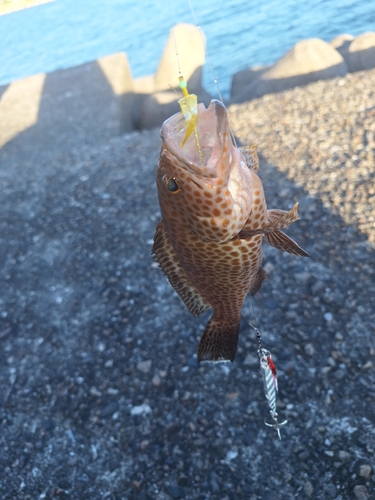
x: 213, y: 131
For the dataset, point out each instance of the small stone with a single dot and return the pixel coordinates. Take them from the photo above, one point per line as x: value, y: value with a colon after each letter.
x: 144, y: 444
x: 328, y: 316
x: 344, y: 456
x: 101, y: 347
x: 308, y: 489
x: 250, y: 360
x: 365, y: 470
x: 331, y: 361
x: 367, y: 365
x: 175, y: 491
x: 309, y: 349
x: 291, y: 314
x: 109, y: 410
x: 94, y: 452
x: 231, y: 455
x: 112, y: 391
x: 329, y: 453
x: 214, y: 482
x: 303, y: 276
x: 137, y: 485
x: 268, y: 267
x: 326, y: 369
x: 328, y: 400
x: 109, y: 363
x: 144, y: 366
x: 144, y: 409
x: 156, y: 381
x: 94, y: 392
x: 339, y: 374
x: 330, y: 489
x: 304, y: 455
x: 163, y: 496
x: 361, y: 492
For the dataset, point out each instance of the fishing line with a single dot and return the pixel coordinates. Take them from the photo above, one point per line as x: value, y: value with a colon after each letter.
x: 210, y: 63
x: 206, y: 51
x: 174, y: 40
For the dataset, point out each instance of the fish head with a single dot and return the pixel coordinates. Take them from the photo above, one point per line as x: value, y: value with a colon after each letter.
x: 204, y: 183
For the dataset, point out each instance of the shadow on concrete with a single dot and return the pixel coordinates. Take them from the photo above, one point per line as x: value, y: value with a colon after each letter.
x: 78, y: 108
x: 360, y: 60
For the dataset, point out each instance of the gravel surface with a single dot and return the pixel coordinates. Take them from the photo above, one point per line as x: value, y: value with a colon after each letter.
x: 101, y: 395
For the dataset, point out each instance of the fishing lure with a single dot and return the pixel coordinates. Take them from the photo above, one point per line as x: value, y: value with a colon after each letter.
x: 269, y: 376
x: 189, y: 107
x: 268, y: 370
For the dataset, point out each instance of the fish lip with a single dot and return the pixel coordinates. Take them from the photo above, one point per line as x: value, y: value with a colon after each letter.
x: 212, y: 125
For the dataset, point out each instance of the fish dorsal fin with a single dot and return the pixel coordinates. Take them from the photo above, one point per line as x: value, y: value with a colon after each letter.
x: 251, y: 157
x: 168, y: 261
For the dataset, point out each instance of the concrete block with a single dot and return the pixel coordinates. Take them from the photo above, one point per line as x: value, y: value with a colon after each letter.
x: 83, y: 105
x: 308, y: 61
x: 191, y: 54
x: 361, y: 52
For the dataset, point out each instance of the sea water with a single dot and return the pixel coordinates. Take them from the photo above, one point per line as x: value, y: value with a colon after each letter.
x: 240, y: 33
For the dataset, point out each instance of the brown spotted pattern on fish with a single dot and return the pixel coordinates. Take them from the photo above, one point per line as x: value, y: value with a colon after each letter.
x: 214, y: 216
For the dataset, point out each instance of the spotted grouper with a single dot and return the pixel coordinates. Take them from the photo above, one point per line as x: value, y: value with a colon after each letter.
x: 214, y: 217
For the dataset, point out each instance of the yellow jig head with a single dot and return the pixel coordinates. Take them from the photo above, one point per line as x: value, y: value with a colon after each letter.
x: 189, y: 108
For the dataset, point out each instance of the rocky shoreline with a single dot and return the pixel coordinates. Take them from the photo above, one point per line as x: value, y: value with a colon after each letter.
x: 102, y: 397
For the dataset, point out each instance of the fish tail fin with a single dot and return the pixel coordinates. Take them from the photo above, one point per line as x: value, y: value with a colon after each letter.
x: 219, y: 341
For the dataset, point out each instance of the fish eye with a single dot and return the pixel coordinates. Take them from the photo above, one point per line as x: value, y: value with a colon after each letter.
x: 173, y: 186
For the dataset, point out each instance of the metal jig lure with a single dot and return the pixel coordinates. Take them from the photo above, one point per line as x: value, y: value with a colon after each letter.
x: 269, y: 376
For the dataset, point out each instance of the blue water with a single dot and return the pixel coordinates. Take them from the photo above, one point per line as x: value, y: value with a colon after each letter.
x: 240, y: 33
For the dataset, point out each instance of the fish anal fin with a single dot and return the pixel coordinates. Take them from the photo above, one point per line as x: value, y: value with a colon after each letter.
x: 282, y: 242
x: 251, y: 157
x: 257, y: 283
x: 219, y: 341
x: 168, y: 261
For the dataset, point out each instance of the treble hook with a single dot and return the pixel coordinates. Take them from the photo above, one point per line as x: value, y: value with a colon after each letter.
x: 277, y: 424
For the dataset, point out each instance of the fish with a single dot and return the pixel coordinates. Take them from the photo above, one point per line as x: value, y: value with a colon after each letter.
x: 213, y: 219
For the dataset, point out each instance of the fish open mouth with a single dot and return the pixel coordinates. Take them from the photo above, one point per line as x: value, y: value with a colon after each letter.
x: 201, y: 152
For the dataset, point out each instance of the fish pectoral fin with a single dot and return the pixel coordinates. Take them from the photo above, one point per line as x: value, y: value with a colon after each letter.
x: 282, y: 242
x: 219, y: 341
x: 278, y: 219
x: 168, y: 261
x: 257, y: 283
x: 251, y: 157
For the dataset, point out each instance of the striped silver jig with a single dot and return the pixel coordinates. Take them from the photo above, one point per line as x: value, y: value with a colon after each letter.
x: 269, y: 375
